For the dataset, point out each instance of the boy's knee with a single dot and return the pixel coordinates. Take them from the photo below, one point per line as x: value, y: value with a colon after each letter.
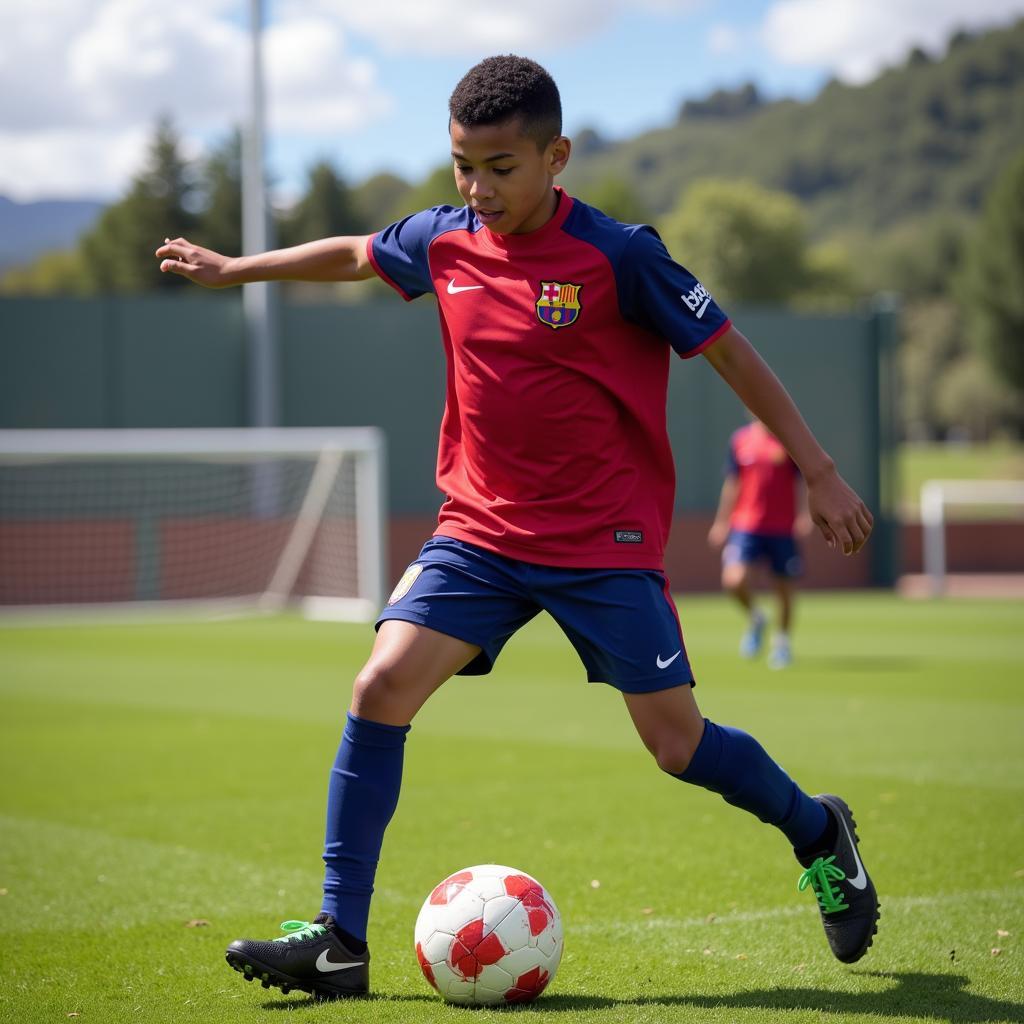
x: 734, y: 577
x: 377, y: 687
x: 674, y: 753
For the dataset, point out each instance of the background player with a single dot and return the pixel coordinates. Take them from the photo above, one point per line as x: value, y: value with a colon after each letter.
x: 761, y: 511
x: 557, y: 324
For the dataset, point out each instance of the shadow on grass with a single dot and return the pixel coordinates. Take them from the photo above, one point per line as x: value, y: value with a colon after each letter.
x: 941, y: 997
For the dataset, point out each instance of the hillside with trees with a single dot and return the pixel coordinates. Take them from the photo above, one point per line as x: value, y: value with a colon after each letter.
x: 927, y: 137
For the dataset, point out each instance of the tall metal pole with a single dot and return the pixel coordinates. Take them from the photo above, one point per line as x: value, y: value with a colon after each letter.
x: 256, y: 298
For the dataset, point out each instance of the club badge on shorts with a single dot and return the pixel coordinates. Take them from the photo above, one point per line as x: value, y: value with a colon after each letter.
x: 408, y: 579
x: 558, y: 305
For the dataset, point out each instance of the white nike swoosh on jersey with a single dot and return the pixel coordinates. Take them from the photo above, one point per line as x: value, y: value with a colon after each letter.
x: 665, y: 664
x: 454, y: 288
x: 325, y: 966
x: 700, y: 312
x: 859, y: 880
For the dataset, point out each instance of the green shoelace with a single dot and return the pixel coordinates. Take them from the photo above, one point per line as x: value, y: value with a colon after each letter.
x: 820, y: 876
x: 294, y: 931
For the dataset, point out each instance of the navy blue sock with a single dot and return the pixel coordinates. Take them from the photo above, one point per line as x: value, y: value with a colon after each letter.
x: 731, y: 762
x: 361, y: 798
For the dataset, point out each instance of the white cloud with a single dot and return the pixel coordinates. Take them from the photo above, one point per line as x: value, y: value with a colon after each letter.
x: 857, y: 38
x: 313, y: 86
x: 68, y: 162
x: 724, y: 39
x: 455, y: 27
x: 82, y: 84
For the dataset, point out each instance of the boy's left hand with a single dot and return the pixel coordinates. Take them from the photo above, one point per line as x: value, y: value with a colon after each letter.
x: 844, y: 520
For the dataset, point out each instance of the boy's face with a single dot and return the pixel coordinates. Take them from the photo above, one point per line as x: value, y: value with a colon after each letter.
x: 504, y: 177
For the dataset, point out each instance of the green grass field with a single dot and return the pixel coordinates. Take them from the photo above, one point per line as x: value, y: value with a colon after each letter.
x: 156, y: 775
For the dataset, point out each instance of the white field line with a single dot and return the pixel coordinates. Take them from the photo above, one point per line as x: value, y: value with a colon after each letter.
x: 889, y: 905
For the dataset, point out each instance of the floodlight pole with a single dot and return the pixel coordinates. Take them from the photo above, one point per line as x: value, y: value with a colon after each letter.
x: 256, y: 298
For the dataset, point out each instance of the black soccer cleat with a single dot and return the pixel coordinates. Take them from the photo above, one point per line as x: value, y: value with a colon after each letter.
x: 846, y: 897
x: 310, y: 957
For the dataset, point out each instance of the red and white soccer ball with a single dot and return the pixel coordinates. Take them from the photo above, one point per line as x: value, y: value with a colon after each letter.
x: 489, y: 935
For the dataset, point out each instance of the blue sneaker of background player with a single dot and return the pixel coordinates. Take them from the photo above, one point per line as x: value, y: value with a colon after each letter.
x: 846, y: 897
x: 750, y: 642
x: 781, y: 655
x: 311, y: 957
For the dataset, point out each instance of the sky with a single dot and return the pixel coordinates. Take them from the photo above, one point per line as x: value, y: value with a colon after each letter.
x: 365, y: 83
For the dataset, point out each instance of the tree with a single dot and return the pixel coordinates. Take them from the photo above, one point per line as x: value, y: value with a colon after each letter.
x: 220, y: 191
x: 993, y: 292
x: 377, y: 197
x: 724, y: 103
x: 744, y: 242
x: 972, y: 403
x: 588, y: 142
x: 932, y: 342
x: 53, y: 273
x: 117, y: 254
x: 613, y: 196
x: 437, y: 189
x: 326, y: 209
x: 830, y: 279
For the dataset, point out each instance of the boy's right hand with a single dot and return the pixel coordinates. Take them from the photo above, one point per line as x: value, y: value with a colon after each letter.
x: 203, y: 266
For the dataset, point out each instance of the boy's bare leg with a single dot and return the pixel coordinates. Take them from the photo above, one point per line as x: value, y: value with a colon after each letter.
x: 670, y: 725
x: 407, y: 664
x: 786, y: 593
x: 781, y: 655
x: 738, y: 580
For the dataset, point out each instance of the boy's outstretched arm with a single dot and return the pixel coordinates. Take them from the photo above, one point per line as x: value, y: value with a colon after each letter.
x: 835, y: 508
x: 329, y: 259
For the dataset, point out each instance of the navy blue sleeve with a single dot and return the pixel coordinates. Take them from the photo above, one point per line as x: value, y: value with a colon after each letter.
x: 399, y: 252
x: 732, y: 466
x: 657, y: 293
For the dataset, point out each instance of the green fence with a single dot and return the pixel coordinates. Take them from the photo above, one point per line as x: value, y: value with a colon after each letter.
x: 179, y: 361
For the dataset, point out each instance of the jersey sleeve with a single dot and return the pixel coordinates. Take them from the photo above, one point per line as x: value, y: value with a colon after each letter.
x: 657, y: 293
x: 732, y: 465
x: 399, y: 253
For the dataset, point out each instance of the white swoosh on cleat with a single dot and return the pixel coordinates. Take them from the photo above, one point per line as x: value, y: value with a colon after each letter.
x: 859, y: 880
x: 325, y: 966
x: 666, y: 663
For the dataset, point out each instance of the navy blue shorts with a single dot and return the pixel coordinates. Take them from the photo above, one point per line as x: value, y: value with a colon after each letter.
x: 622, y: 622
x: 780, y: 552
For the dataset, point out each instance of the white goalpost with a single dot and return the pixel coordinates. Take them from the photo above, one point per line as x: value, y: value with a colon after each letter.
x: 936, y: 497
x: 201, y: 521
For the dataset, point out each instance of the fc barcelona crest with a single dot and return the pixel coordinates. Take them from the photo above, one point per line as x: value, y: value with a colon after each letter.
x: 558, y: 304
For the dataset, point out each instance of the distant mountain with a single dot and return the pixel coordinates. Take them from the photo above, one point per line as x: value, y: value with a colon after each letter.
x: 924, y: 137
x: 29, y: 229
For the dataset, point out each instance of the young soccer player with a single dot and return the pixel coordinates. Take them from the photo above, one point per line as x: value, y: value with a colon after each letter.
x: 762, y: 507
x: 558, y: 324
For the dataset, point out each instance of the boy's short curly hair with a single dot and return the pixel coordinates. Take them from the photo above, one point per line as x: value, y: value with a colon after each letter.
x: 501, y: 88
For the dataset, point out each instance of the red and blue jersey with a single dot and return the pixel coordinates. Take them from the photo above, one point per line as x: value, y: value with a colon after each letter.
x: 766, y: 501
x: 553, y: 446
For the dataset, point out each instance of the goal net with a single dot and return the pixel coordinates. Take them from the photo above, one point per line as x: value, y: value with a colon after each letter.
x: 205, y: 521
